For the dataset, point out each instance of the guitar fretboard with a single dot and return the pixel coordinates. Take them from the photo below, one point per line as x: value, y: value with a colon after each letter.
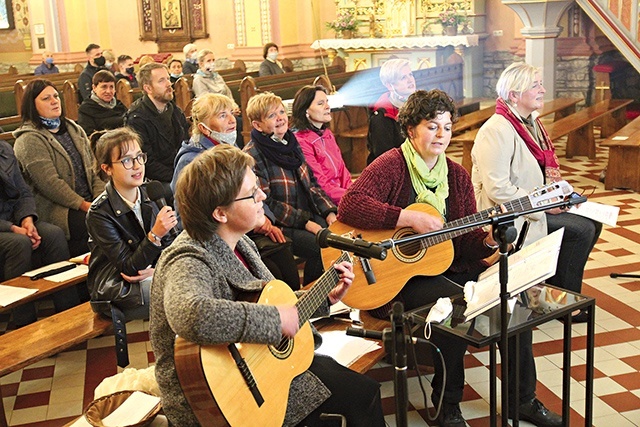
x: 518, y: 205
x: 312, y: 299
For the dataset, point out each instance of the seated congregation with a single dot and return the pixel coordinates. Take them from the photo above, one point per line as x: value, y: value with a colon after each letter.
x: 181, y: 218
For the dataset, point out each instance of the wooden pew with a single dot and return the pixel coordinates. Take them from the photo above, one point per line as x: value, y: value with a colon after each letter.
x: 71, y: 99
x: 47, y: 337
x: 623, y: 169
x: 560, y: 107
x: 125, y: 93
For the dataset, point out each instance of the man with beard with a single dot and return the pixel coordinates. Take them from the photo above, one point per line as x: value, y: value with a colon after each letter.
x: 161, y: 125
x: 95, y: 63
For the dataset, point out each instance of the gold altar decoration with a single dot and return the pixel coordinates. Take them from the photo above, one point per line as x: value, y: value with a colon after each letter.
x: 405, y: 18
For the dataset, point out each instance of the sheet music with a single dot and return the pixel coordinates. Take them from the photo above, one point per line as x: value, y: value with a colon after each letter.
x: 133, y: 410
x: 11, y: 294
x: 605, y: 214
x: 343, y: 348
x: 527, y: 267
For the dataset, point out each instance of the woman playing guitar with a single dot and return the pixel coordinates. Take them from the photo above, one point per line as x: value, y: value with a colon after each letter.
x: 419, y: 171
x: 197, y: 295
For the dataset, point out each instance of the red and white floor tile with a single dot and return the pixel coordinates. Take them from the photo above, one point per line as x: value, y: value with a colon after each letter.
x: 55, y: 391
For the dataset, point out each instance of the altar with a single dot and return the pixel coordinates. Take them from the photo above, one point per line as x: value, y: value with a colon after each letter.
x: 421, y: 51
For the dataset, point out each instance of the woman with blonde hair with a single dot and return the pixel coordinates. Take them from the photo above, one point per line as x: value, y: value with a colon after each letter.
x: 214, y: 124
x: 512, y: 155
x: 300, y: 206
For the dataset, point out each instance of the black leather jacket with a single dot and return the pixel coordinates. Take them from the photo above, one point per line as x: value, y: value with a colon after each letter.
x: 117, y: 242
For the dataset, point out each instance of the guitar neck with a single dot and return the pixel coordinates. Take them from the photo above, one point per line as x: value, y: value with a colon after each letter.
x: 314, y: 297
x: 517, y: 205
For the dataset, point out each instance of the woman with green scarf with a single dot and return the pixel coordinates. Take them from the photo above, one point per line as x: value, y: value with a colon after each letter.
x: 419, y: 172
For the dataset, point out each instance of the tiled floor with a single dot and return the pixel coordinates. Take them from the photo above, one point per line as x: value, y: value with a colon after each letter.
x: 54, y: 391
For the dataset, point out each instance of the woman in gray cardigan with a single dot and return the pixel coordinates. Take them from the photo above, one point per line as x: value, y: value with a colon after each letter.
x: 56, y: 160
x: 196, y: 290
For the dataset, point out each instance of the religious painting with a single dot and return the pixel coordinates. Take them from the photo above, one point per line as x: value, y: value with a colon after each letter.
x: 6, y: 15
x: 171, y: 15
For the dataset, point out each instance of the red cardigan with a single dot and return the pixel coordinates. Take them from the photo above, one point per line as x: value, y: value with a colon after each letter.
x: 375, y: 200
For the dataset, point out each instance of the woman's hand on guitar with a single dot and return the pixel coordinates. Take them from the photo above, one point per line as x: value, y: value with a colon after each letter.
x: 312, y: 227
x: 331, y: 218
x: 421, y: 222
x: 345, y: 270
x: 289, y: 320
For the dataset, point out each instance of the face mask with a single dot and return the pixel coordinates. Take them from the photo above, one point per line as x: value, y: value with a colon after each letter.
x: 210, y: 67
x: 129, y: 70
x: 397, y: 96
x: 50, y: 123
x: 272, y: 56
x: 100, y: 61
x: 227, y: 138
x: 177, y: 76
x: 108, y: 64
x: 49, y: 60
x: 193, y: 58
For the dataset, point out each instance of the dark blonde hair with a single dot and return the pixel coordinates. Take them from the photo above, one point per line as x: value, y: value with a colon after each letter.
x: 259, y: 105
x: 214, y: 178
x: 103, y: 144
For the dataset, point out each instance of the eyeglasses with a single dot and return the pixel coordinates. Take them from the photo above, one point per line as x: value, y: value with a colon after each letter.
x: 127, y: 162
x: 252, y: 196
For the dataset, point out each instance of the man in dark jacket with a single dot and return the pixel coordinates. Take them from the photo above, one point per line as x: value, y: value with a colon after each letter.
x: 161, y: 125
x: 95, y: 63
x: 23, y: 246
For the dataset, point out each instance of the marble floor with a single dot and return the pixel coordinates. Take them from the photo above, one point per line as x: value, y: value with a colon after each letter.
x: 55, y: 391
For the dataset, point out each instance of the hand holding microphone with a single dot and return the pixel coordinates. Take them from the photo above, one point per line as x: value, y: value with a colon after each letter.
x: 166, y: 219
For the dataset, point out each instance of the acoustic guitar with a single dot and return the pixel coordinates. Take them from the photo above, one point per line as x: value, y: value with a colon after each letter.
x: 427, y: 257
x: 243, y: 384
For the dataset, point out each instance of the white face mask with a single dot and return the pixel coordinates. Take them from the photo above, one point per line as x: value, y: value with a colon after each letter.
x: 210, y: 67
x: 226, y: 138
x: 272, y: 56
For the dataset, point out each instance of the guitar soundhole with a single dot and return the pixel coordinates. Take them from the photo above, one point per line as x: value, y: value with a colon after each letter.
x: 282, y: 350
x: 408, y: 252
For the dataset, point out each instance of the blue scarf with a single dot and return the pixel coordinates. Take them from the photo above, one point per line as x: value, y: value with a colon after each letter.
x: 50, y: 123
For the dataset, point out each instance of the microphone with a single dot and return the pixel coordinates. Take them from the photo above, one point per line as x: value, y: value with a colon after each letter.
x: 325, y: 238
x: 155, y: 191
x: 365, y: 333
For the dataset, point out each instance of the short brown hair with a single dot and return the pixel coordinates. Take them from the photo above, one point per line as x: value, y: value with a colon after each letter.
x: 265, y: 49
x: 144, y: 75
x: 103, y: 76
x: 214, y: 178
x: 103, y: 144
x: 425, y: 105
x: 258, y: 105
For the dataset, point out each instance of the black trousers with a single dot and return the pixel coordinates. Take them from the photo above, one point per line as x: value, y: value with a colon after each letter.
x: 422, y: 290
x: 353, y: 395
x: 580, y: 236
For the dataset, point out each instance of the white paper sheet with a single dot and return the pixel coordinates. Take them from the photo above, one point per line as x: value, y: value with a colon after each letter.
x: 47, y: 268
x: 11, y: 294
x: 620, y: 138
x: 343, y: 348
x: 531, y: 265
x: 132, y: 410
x: 605, y: 214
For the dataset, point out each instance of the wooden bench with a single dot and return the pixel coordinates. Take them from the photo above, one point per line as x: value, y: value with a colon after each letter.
x: 47, y: 337
x: 560, y: 107
x: 623, y: 170
x: 44, y: 287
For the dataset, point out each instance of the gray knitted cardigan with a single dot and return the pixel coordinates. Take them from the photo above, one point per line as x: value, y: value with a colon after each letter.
x: 194, y: 286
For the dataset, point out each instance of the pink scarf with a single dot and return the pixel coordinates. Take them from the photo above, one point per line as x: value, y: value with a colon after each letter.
x: 545, y: 155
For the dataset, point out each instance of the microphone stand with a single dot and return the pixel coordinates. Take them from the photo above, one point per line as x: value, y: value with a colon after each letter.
x: 399, y: 358
x: 504, y: 233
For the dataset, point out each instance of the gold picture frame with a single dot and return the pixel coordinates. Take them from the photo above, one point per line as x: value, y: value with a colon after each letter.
x: 171, y: 14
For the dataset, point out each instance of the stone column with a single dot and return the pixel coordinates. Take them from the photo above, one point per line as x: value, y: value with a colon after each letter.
x: 540, y: 19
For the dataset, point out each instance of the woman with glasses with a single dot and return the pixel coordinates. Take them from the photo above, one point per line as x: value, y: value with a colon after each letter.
x: 56, y: 160
x: 127, y: 231
x: 300, y: 206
